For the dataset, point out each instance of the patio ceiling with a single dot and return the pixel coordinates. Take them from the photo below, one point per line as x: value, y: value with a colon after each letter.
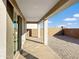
x: 36, y: 10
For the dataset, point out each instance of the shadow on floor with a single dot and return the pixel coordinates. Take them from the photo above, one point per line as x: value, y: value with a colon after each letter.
x: 35, y: 36
x: 27, y: 55
x: 67, y: 38
x: 61, y: 36
x: 34, y: 41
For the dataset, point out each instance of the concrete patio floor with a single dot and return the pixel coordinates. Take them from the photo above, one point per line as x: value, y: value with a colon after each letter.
x: 59, y: 47
x: 34, y: 49
x: 66, y: 47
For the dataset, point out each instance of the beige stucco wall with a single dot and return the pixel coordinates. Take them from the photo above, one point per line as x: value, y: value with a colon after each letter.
x: 53, y: 31
x: 10, y: 39
x: 2, y: 30
x: 27, y: 33
x: 34, y: 32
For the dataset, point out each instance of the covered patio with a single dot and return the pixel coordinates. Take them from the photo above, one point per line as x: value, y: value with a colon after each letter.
x: 25, y: 33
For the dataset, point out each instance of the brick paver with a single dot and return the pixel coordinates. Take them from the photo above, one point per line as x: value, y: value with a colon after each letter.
x: 66, y: 47
x: 33, y: 49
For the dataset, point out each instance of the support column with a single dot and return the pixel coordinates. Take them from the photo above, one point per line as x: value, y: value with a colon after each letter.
x: 46, y: 32
x: 39, y: 30
x: 19, y: 32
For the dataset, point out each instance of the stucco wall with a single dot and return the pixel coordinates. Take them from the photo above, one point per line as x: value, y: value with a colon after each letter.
x: 72, y: 32
x: 34, y: 32
x: 27, y: 33
x: 10, y: 39
x: 53, y: 31
x: 2, y: 30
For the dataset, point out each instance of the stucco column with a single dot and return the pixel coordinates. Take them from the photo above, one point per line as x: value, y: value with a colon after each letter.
x: 46, y: 32
x: 38, y: 30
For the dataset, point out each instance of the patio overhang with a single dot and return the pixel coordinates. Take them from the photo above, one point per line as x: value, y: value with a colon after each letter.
x: 57, y: 7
